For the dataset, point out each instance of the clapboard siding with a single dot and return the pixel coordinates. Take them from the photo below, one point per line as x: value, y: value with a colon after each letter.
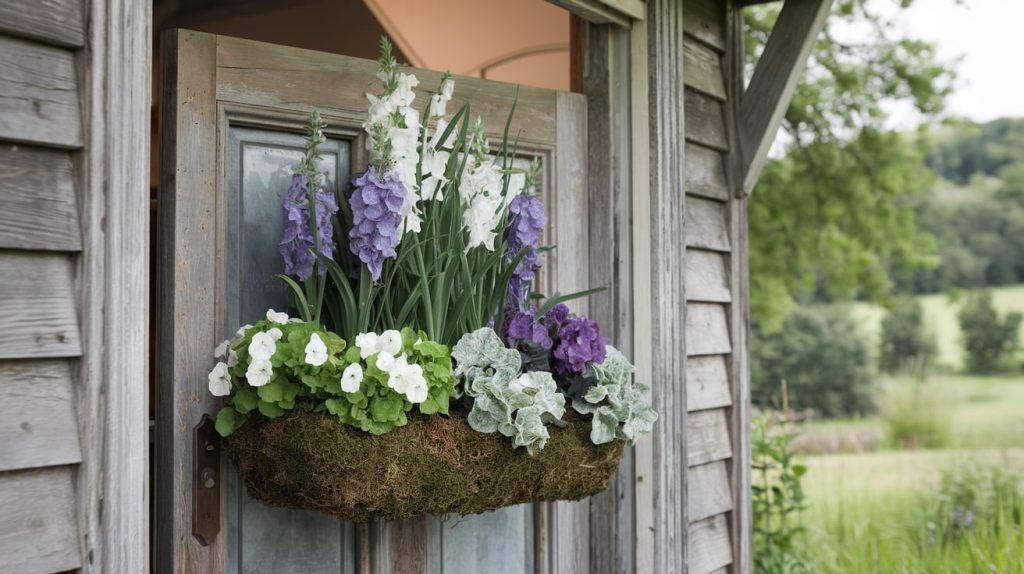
x: 709, y: 546
x: 707, y: 383
x: 706, y: 225
x: 37, y: 521
x: 39, y: 97
x: 53, y: 21
x: 707, y: 437
x: 706, y: 279
x: 705, y: 21
x: 38, y: 424
x: 702, y: 69
x: 709, y: 491
x: 705, y: 173
x: 38, y: 209
x: 707, y: 331
x: 705, y: 120
x: 37, y: 301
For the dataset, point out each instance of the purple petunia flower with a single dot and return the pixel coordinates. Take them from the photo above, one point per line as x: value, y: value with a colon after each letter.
x: 579, y: 342
x: 525, y: 224
x: 297, y: 240
x: 376, y: 204
x: 524, y: 326
x: 557, y: 315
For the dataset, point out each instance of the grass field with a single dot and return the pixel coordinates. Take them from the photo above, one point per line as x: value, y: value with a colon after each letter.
x: 940, y: 316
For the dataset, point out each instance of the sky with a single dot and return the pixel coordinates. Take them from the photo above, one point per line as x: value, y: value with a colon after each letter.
x: 987, y: 35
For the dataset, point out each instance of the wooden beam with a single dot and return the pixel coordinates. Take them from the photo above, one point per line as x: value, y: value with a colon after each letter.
x: 619, y: 13
x: 771, y: 88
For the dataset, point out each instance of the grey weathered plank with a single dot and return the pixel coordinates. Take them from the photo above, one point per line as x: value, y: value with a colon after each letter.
x: 39, y: 95
x: 705, y: 122
x: 707, y: 437
x: 707, y: 383
x: 37, y: 300
x: 37, y: 192
x: 53, y: 21
x: 706, y: 279
x: 707, y: 331
x: 705, y: 173
x: 709, y: 548
x: 709, y: 492
x: 38, y: 531
x: 38, y: 423
x: 702, y: 69
x: 705, y: 224
x: 705, y: 20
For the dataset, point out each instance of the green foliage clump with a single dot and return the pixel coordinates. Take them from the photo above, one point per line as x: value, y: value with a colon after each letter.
x: 516, y: 405
x: 777, y: 499
x: 616, y: 403
x: 989, y: 340
x: 906, y: 345
x: 971, y: 495
x: 823, y: 356
x: 914, y: 417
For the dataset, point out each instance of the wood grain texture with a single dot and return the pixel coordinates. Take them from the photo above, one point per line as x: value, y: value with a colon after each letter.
x: 706, y: 279
x: 38, y: 423
x: 37, y: 192
x: 707, y: 437
x: 707, y: 383
x: 702, y: 69
x: 705, y: 21
x: 38, y: 530
x: 705, y: 122
x: 408, y: 546
x: 39, y: 94
x: 705, y: 173
x: 38, y: 301
x: 707, y: 330
x: 706, y: 225
x: 709, y: 493
x: 709, y: 547
x: 56, y: 22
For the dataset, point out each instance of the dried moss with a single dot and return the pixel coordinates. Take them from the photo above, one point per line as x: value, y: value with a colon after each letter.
x: 433, y: 465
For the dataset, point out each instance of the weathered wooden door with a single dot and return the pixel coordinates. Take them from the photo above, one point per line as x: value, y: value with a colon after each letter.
x: 233, y: 113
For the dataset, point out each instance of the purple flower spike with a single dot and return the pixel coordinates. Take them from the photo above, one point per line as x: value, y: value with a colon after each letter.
x: 297, y: 240
x: 579, y: 342
x: 525, y: 224
x: 376, y: 204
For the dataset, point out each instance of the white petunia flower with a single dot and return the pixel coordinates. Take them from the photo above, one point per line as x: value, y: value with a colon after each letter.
x: 368, y: 343
x: 262, y: 347
x: 391, y: 341
x: 259, y: 373
x: 352, y: 378
x: 242, y: 331
x: 417, y: 394
x: 408, y: 380
x: 316, y: 351
x: 275, y: 333
x: 232, y: 358
x: 220, y: 380
x: 277, y: 317
x: 385, y: 361
x: 222, y: 349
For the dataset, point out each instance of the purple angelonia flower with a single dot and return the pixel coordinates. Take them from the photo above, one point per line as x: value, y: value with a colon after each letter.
x: 525, y: 224
x: 376, y: 205
x: 579, y: 342
x: 297, y: 239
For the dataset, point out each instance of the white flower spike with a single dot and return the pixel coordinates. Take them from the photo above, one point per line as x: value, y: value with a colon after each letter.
x: 220, y: 380
x: 316, y: 351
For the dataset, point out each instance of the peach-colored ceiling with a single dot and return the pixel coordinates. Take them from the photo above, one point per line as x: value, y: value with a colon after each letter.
x: 520, y: 41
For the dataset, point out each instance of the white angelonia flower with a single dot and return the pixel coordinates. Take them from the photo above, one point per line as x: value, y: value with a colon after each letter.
x: 412, y: 222
x: 262, y: 347
x: 368, y: 343
x: 280, y: 318
x: 448, y: 88
x: 316, y: 351
x: 391, y: 341
x: 275, y: 333
x: 259, y: 373
x: 220, y: 380
x: 352, y: 378
x: 222, y: 349
x: 386, y: 361
x: 232, y: 358
x: 403, y: 94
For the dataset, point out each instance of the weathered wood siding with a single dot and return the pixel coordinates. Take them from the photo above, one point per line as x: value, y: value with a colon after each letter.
x: 716, y: 249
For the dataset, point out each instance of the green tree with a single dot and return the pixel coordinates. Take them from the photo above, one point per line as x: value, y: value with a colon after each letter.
x: 905, y: 342
x: 987, y: 338
x: 835, y: 213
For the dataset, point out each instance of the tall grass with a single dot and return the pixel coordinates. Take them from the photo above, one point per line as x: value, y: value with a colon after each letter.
x: 914, y: 415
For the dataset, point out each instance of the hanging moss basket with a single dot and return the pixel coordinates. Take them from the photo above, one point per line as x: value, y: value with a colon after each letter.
x: 433, y: 465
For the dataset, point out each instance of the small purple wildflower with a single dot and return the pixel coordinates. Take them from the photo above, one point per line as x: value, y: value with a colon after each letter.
x: 297, y: 240
x: 525, y: 224
x: 579, y: 342
x: 376, y: 203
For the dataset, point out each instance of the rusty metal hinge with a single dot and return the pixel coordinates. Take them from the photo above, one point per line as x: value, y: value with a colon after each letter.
x: 206, y: 482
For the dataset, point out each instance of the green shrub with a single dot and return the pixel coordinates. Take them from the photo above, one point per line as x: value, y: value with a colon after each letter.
x: 989, y: 341
x: 905, y: 343
x: 778, y: 498
x: 914, y: 417
x: 823, y: 356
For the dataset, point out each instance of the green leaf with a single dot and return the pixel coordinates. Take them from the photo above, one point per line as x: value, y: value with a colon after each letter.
x: 227, y: 421
x: 245, y: 400
x: 270, y: 410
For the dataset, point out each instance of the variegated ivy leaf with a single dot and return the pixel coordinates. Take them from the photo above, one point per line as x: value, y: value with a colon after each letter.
x: 484, y: 350
x: 605, y: 426
x: 616, y: 402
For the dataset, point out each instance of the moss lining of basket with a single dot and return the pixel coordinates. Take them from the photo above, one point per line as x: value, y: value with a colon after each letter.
x: 433, y: 465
